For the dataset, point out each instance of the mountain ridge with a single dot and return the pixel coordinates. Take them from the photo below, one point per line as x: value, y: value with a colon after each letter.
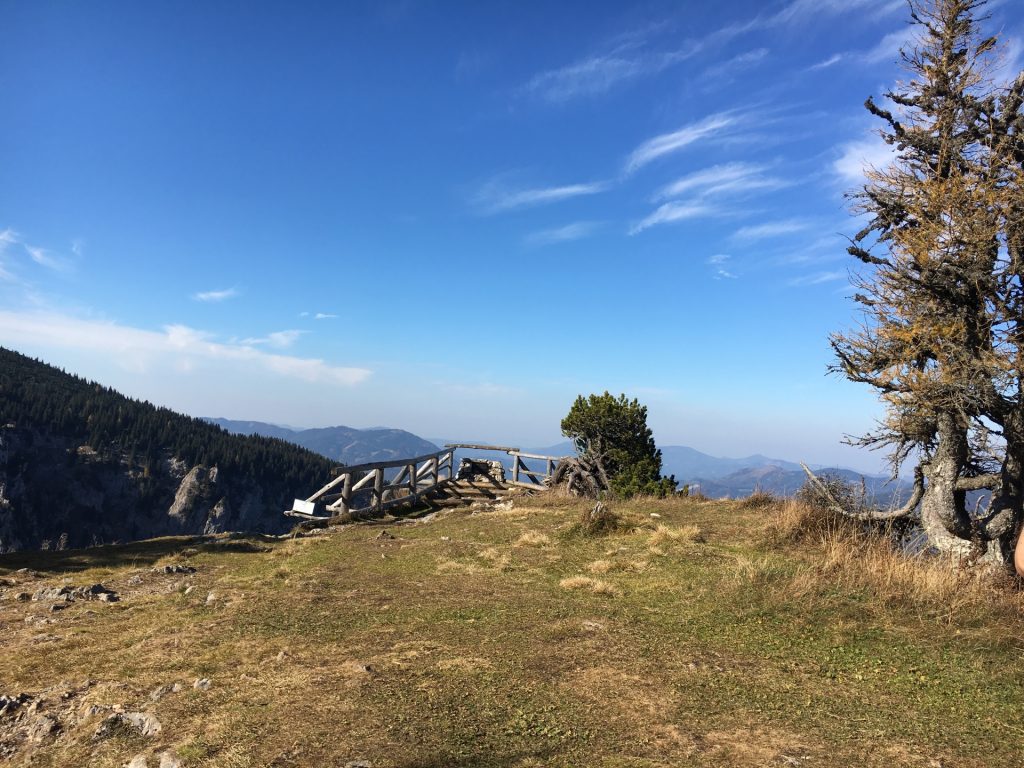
x: 347, y: 445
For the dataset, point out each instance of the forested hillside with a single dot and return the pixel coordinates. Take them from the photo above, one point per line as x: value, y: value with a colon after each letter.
x: 81, y: 463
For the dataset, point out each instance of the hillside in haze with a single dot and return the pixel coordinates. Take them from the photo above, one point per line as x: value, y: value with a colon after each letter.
x: 345, y: 444
x: 719, y: 477
x: 81, y: 464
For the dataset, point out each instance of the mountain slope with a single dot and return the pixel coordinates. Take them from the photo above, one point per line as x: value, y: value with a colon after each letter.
x: 784, y: 482
x: 82, y: 464
x: 345, y: 444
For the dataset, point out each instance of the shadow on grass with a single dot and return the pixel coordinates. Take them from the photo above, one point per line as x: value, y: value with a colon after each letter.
x: 136, y: 553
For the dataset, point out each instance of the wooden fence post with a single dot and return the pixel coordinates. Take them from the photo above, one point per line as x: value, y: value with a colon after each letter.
x: 378, y: 488
x: 346, y: 494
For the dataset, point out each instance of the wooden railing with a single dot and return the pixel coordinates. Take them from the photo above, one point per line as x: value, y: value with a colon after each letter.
x: 538, y: 479
x: 370, y: 488
x: 366, y: 488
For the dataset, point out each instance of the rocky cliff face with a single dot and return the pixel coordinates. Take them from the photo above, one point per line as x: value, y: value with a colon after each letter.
x: 56, y: 493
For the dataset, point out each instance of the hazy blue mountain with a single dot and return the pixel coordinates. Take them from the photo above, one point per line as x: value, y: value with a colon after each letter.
x: 785, y: 482
x: 343, y: 444
x: 688, y: 464
x: 254, y: 428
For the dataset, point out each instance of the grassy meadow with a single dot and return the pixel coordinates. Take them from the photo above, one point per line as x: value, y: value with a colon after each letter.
x: 699, y: 633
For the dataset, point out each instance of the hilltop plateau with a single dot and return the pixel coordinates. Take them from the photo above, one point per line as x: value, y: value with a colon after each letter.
x: 696, y: 634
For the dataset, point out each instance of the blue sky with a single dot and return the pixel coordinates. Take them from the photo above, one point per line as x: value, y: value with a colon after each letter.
x: 449, y: 217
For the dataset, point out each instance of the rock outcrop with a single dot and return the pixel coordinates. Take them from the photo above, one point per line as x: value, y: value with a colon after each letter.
x: 55, y: 494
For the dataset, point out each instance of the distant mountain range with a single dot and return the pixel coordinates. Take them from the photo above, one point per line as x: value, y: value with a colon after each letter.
x: 720, y: 477
x: 343, y: 444
x: 714, y: 476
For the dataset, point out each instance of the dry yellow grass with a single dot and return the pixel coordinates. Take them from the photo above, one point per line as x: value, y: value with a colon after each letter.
x: 927, y: 582
x: 664, y: 534
x: 581, y: 651
x: 533, y: 539
x: 597, y: 586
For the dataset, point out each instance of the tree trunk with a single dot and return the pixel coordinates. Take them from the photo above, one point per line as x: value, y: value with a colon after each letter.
x: 944, y: 519
x: 1003, y: 521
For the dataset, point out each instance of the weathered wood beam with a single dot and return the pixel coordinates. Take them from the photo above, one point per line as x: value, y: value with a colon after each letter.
x: 373, y: 465
x: 475, y: 447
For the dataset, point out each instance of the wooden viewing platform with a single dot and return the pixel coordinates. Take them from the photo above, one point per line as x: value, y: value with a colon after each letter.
x: 369, y: 489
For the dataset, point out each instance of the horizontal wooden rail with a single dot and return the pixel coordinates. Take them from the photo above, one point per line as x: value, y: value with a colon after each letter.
x: 363, y: 488
x: 361, y: 483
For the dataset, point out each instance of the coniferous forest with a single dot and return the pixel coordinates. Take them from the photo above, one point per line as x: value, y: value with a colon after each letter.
x: 82, y: 464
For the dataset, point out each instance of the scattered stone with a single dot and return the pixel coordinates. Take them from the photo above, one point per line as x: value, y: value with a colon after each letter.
x: 190, y: 589
x: 169, y: 760
x: 163, y: 690
x: 211, y: 598
x: 358, y: 764
x: 42, y: 729
x: 23, y: 597
x: 142, y: 723
x: 384, y: 535
x: 68, y: 594
x: 139, y: 761
x: 92, y: 710
x: 53, y: 593
x: 10, y: 703
x: 135, y: 581
x: 446, y: 538
x: 58, y: 607
x: 174, y: 568
x: 282, y: 656
x: 655, y: 514
x: 202, y: 684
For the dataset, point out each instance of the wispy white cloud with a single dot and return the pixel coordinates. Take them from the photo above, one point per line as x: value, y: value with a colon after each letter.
x: 575, y: 231
x: 596, y: 74
x: 830, y: 61
x: 673, y: 212
x: 818, y: 278
x: 1009, y: 63
x: 736, y: 64
x: 44, y: 258
x: 497, y: 195
x: 215, y: 296
x: 179, y: 344
x: 856, y: 157
x: 887, y: 50
x: 7, y: 238
x: 801, y: 12
x: 718, y: 263
x: 728, y: 178
x: 770, y: 229
x: 324, y: 316
x: 669, y: 143
x: 633, y: 57
x: 278, y: 339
